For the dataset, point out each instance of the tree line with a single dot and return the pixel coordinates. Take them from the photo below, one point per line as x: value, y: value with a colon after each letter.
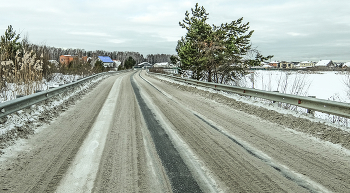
x: 12, y: 47
x: 27, y: 64
x: 54, y: 54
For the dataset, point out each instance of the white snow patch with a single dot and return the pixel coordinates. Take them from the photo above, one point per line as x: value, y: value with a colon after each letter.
x: 12, y: 90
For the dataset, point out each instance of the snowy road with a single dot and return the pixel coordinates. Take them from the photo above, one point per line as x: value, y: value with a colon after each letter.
x: 136, y: 133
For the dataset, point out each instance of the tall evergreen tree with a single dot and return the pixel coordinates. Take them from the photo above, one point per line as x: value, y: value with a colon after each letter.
x: 129, y: 63
x: 214, y: 53
x: 9, y: 44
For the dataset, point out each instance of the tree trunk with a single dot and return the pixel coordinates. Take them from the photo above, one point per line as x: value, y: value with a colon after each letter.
x: 209, y: 75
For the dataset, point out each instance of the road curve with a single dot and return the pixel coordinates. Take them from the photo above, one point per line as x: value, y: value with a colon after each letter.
x: 137, y: 133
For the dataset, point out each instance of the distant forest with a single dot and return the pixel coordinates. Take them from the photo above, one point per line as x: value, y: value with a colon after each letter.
x: 54, y: 54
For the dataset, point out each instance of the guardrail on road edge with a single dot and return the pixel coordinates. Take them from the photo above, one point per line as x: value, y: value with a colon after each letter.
x: 15, y: 105
x: 321, y: 105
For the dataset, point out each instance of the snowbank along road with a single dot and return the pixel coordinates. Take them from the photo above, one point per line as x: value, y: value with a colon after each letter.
x: 136, y: 133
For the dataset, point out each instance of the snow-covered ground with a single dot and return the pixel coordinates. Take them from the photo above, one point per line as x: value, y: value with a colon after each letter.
x: 14, y: 90
x: 30, y: 118
x: 329, y: 85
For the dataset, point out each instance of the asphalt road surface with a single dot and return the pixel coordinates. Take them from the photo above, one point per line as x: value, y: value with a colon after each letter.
x: 136, y: 133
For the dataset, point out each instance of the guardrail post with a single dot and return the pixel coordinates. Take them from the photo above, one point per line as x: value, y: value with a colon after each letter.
x: 309, y: 110
x: 275, y: 91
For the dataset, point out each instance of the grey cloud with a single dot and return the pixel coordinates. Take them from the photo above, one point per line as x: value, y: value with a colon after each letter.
x: 291, y: 30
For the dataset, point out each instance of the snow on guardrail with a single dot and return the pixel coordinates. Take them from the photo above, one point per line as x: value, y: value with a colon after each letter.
x: 321, y: 105
x: 15, y: 105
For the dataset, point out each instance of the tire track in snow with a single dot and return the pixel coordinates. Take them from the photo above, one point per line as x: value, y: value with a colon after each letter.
x: 178, y: 173
x: 298, y: 178
x: 201, y: 173
x: 81, y: 174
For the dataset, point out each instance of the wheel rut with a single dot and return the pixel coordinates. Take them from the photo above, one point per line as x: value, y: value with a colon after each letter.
x: 177, y: 171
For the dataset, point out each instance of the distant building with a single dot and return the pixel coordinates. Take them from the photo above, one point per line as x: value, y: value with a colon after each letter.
x: 306, y: 64
x: 346, y: 65
x: 163, y: 65
x: 274, y: 64
x: 106, y: 61
x: 144, y: 65
x: 66, y: 59
x: 285, y: 64
x: 294, y: 64
x: 116, y: 63
x: 325, y: 63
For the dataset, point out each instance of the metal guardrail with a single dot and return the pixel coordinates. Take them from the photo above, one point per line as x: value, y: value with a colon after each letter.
x: 15, y: 105
x: 321, y: 105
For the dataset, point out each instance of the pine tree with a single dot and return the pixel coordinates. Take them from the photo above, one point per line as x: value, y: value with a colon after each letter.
x: 9, y: 44
x: 129, y: 63
x: 213, y: 53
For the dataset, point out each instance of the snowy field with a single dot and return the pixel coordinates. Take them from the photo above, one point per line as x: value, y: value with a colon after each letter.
x: 329, y: 85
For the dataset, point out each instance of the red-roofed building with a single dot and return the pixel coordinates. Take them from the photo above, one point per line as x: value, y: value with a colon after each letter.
x: 66, y: 59
x: 274, y: 64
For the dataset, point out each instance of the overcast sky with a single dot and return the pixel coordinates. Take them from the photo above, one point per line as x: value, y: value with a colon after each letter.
x: 291, y: 30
